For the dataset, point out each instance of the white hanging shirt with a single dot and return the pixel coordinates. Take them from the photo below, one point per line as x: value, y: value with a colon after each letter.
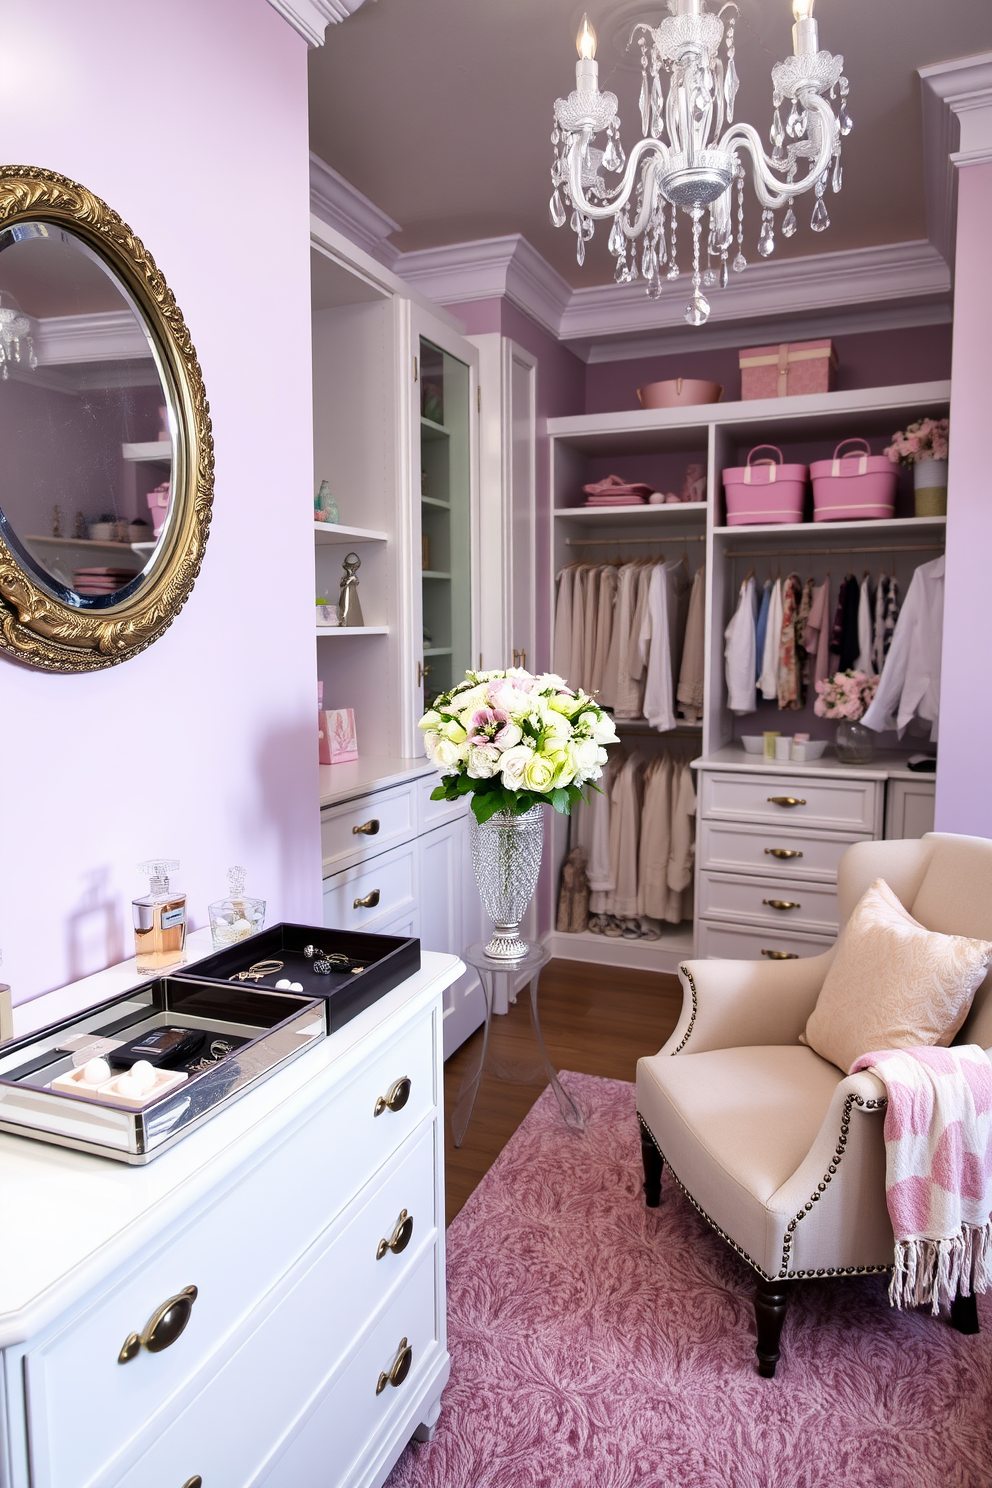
x: 660, y: 640
x: 768, y: 681
x: 562, y: 649
x: 739, y: 651
x: 909, y: 686
x: 863, y: 661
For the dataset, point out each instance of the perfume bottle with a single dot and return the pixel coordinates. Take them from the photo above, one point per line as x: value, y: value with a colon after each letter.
x: 159, y: 919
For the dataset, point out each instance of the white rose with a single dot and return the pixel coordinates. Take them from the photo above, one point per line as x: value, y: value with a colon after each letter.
x: 446, y: 755
x: 551, y: 682
x: 539, y: 773
x: 604, y: 730
x: 509, y: 736
x: 453, y: 731
x: 468, y: 701
x: 430, y: 745
x: 513, y: 765
x: 585, y: 756
x: 430, y: 720
x: 483, y: 761
x: 556, y: 724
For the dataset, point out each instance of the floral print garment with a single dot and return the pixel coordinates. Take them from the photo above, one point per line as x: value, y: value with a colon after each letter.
x: 790, y: 653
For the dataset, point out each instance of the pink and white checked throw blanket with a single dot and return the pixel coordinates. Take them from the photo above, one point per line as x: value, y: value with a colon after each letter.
x: 938, y: 1169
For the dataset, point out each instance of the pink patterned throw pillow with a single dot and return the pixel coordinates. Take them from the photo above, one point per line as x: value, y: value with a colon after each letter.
x: 893, y: 984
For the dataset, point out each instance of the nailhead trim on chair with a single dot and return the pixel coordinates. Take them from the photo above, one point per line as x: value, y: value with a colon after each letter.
x: 785, y: 1274
x: 695, y: 1008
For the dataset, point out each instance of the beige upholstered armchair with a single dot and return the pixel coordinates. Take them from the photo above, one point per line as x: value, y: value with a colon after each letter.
x: 779, y: 1150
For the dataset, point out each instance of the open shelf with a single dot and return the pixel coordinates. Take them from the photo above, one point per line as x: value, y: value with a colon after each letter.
x: 433, y: 573
x: 150, y: 452
x: 433, y: 501
x: 352, y: 630
x: 325, y: 533
x: 645, y: 512
x: 885, y: 527
x: 437, y: 650
x: 430, y: 430
x: 90, y: 547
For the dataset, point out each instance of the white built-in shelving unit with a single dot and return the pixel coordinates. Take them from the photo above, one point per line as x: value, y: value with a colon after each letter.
x: 655, y: 446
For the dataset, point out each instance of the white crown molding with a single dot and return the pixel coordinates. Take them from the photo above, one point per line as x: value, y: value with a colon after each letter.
x: 488, y: 269
x: 114, y: 335
x: 343, y: 207
x: 311, y: 18
x: 957, y: 130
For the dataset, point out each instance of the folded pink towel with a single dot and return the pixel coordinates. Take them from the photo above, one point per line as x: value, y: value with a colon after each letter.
x: 938, y: 1169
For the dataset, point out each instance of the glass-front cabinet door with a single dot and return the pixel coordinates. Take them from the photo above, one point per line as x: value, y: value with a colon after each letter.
x: 445, y: 435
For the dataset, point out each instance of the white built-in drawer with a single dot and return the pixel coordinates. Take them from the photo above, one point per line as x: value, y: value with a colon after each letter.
x: 744, y: 847
x: 749, y: 943
x: 239, y: 1422
x: 434, y: 813
x: 83, y: 1406
x: 793, y: 801
x: 373, y: 893
x: 781, y: 904
x: 909, y: 808
x: 365, y: 827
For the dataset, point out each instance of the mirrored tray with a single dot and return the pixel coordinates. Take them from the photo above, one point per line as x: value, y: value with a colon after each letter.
x: 247, y: 1036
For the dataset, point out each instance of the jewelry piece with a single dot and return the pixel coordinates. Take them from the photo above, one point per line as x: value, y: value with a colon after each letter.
x: 219, y: 1048
x: 309, y: 950
x: 256, y: 972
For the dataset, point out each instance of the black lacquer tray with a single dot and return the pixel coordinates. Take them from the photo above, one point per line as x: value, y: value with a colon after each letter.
x: 386, y: 960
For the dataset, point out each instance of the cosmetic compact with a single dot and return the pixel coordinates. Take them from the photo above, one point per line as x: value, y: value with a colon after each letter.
x: 127, y: 1079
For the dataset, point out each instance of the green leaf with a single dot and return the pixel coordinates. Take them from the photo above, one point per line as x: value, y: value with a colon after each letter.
x: 486, y: 806
x: 561, y: 802
x: 439, y: 793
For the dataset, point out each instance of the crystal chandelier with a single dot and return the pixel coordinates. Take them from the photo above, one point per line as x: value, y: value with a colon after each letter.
x: 687, y: 158
x: 15, y: 334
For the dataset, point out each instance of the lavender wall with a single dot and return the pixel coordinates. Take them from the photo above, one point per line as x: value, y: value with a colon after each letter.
x: 881, y: 359
x: 964, y: 785
x: 203, y: 746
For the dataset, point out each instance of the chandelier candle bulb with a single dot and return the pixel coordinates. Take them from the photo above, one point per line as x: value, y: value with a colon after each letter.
x: 805, y: 40
x: 587, y: 68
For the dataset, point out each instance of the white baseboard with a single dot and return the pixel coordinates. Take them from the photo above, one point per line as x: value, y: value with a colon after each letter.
x: 661, y: 955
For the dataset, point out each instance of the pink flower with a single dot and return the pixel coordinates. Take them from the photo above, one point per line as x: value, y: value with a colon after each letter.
x: 486, y: 725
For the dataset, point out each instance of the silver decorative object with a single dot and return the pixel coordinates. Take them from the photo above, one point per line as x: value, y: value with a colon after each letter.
x: 349, y: 605
x: 506, y: 856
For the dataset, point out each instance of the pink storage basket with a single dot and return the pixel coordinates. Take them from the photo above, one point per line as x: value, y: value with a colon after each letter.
x: 764, y: 490
x: 855, y: 487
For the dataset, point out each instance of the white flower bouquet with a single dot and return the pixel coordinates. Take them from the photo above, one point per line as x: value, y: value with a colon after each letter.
x: 513, y: 741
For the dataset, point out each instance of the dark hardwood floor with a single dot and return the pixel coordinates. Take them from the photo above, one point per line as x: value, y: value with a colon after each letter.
x: 598, y: 1020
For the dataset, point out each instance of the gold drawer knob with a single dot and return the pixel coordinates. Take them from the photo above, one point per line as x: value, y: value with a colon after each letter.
x: 786, y: 801
x: 367, y: 829
x: 782, y: 852
x: 194, y: 1482
x: 400, y: 1369
x: 163, y: 1327
x: 781, y: 955
x: 400, y: 1238
x: 395, y: 1097
x: 368, y: 901
x: 781, y: 904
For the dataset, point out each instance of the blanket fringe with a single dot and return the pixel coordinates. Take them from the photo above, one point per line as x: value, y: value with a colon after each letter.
x: 935, y: 1271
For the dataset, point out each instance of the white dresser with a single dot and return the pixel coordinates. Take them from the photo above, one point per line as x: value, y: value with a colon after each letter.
x: 770, y: 837
x: 309, y: 1219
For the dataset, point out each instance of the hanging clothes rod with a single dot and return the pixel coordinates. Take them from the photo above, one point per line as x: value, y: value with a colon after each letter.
x: 604, y: 542
x: 831, y: 552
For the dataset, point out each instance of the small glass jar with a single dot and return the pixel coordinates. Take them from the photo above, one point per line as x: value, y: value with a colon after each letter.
x: 232, y: 920
x: 854, y: 743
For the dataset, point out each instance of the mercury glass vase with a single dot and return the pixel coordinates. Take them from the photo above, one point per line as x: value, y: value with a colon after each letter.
x: 854, y: 743
x: 506, y: 856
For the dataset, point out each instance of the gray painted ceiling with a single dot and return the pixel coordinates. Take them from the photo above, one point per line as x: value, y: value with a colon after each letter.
x: 440, y: 111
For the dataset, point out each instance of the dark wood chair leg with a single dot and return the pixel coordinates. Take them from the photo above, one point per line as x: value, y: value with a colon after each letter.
x: 770, y: 1302
x: 964, y: 1314
x: 654, y: 1165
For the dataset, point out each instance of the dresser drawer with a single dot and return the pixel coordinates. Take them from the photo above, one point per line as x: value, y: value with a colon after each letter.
x: 373, y: 893
x: 776, y: 902
x: 434, y: 813
x: 731, y: 847
x: 793, y: 801
x: 239, y: 1423
x: 366, y: 827
x: 84, y: 1406
x: 747, y: 943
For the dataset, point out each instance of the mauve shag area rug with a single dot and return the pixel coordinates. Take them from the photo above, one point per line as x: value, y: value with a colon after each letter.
x: 599, y: 1344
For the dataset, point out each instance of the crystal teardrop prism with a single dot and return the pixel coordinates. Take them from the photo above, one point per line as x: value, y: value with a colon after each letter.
x: 789, y: 223
x: 776, y: 134
x: 611, y: 159
x: 730, y: 87
x: 709, y: 279
x: 724, y: 273
x: 644, y: 102
x: 673, y: 271
x: 846, y: 123
x: 654, y: 286
x: 648, y: 261
x: 657, y: 105
x: 819, y: 221
x: 838, y: 176
x: 780, y: 156
x: 766, y: 243
x: 698, y: 309
x: 556, y: 210
x: 739, y: 264
x: 792, y: 126
x: 616, y: 242
x: 580, y: 250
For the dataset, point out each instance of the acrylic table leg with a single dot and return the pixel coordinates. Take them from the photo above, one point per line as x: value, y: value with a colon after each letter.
x: 571, y: 1115
x: 461, y: 1115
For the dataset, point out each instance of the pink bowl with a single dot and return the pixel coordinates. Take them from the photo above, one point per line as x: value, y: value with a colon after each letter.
x: 679, y: 392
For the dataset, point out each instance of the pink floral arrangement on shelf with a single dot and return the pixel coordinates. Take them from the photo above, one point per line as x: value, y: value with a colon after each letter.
x: 845, y: 695
x: 924, y: 440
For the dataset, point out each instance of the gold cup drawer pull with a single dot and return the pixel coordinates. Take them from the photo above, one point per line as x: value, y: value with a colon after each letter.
x: 400, y: 1368
x: 786, y: 801
x: 194, y: 1482
x: 781, y: 955
x: 400, y: 1238
x: 367, y: 829
x: 163, y: 1327
x: 367, y: 901
x: 781, y: 904
x: 395, y: 1097
x: 781, y: 852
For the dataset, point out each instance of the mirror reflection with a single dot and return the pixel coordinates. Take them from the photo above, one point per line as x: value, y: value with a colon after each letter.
x: 86, y: 425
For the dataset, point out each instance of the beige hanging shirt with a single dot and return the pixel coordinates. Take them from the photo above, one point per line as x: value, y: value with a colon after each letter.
x: 690, y: 689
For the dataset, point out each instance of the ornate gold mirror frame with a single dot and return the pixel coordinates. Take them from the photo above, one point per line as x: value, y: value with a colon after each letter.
x: 35, y: 627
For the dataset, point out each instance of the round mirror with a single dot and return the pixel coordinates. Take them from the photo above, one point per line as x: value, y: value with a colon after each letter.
x: 106, y: 458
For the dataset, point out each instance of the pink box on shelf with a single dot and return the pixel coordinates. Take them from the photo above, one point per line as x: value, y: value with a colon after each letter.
x: 338, y: 739
x: 788, y: 370
x: 764, y: 490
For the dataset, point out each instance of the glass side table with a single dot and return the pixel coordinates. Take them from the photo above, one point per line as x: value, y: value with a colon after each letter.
x: 506, y: 1069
